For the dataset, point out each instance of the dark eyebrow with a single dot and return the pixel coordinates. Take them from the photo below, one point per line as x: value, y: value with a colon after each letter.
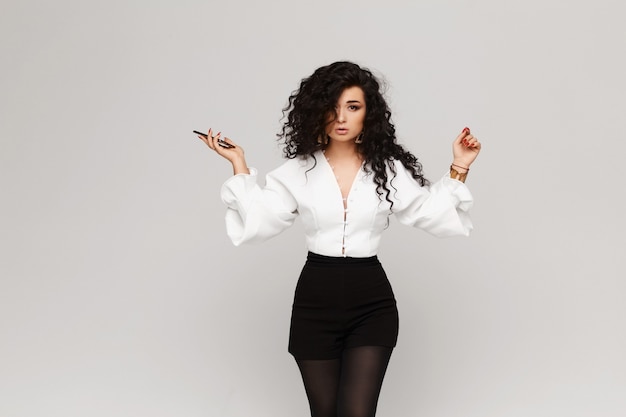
x: 353, y: 101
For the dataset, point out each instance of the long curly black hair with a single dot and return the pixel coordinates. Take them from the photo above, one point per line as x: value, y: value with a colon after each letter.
x: 307, y: 116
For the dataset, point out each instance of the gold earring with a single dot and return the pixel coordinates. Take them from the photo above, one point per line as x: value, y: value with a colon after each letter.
x: 359, y: 139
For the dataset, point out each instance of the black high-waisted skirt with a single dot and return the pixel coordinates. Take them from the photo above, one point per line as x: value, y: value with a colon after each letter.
x: 341, y: 303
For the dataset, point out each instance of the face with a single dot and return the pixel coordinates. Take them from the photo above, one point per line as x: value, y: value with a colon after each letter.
x: 350, y: 116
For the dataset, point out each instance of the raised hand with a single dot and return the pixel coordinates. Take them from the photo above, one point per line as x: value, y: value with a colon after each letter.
x: 465, y: 149
x: 227, y: 149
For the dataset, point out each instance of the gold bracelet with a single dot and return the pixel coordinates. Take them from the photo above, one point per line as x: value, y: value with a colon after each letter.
x: 456, y: 175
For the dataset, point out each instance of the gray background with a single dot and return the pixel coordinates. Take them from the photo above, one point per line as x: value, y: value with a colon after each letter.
x: 120, y: 294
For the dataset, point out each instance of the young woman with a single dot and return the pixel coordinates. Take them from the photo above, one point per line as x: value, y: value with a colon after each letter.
x: 345, y: 175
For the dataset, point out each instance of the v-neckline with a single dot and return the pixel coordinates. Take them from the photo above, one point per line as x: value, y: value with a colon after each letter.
x: 343, y: 199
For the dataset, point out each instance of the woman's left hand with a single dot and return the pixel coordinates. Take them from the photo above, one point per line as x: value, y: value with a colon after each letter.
x: 465, y: 148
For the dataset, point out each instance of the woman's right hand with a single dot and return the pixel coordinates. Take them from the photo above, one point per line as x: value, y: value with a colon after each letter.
x: 234, y: 155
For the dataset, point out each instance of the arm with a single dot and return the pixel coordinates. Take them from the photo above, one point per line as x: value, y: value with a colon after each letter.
x: 443, y: 209
x: 253, y: 213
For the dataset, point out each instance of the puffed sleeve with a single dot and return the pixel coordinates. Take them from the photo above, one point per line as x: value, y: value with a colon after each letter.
x: 441, y: 209
x: 255, y: 214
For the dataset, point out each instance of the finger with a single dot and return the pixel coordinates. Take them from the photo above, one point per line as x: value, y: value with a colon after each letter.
x: 467, y: 140
x: 215, y: 142
x: 464, y: 133
x: 474, y: 145
x: 225, y: 143
x: 207, y: 139
x: 209, y: 143
x: 229, y: 141
x: 202, y: 138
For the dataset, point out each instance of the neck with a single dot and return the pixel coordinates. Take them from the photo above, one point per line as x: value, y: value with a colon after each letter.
x: 342, y: 150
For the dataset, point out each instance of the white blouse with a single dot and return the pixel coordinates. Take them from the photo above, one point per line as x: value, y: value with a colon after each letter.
x: 308, y: 187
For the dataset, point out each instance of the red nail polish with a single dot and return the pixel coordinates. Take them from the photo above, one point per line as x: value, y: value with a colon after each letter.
x: 466, y: 130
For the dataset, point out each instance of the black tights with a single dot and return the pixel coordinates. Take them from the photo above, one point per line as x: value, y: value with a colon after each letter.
x: 348, y: 386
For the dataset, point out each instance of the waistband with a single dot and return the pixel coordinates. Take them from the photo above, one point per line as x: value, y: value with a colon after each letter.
x: 323, y: 260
